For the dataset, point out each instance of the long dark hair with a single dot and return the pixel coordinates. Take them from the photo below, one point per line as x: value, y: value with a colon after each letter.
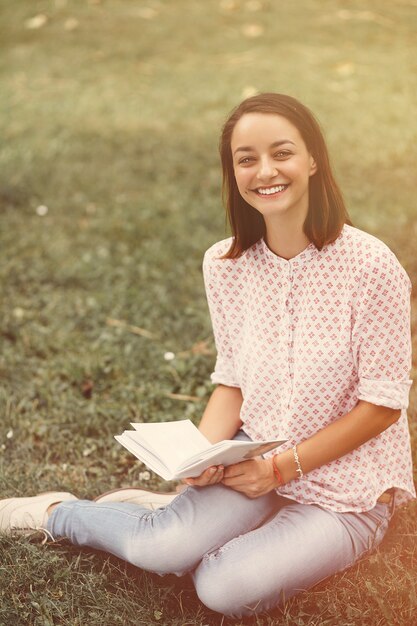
x: 327, y: 211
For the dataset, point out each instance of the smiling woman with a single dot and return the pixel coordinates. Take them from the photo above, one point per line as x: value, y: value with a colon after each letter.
x: 268, y: 136
x: 311, y: 320
x: 274, y: 180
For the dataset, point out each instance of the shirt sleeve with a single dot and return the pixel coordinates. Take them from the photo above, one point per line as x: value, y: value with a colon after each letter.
x: 224, y: 370
x: 381, y: 334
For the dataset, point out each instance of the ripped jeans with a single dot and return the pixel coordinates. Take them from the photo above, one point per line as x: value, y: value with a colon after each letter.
x: 245, y: 556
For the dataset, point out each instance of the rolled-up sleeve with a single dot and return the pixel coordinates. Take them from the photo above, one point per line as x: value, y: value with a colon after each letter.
x: 381, y: 335
x: 224, y: 371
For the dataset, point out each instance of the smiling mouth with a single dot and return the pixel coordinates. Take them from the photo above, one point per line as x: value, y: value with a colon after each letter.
x: 270, y: 191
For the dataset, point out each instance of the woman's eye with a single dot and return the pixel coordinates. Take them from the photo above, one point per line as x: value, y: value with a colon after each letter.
x: 245, y: 160
x: 282, y: 154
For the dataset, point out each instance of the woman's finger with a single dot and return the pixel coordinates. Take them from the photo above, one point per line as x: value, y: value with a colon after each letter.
x: 238, y: 469
x: 217, y: 476
x: 210, y: 476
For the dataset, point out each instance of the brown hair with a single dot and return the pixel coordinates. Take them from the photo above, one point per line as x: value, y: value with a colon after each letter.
x: 327, y: 211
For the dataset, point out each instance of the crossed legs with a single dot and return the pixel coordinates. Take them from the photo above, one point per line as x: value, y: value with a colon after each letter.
x: 245, y: 556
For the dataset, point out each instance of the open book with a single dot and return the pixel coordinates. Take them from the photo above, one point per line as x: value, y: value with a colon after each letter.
x: 177, y: 450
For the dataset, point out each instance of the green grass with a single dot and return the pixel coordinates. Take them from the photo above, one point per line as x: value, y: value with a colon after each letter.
x: 113, y: 126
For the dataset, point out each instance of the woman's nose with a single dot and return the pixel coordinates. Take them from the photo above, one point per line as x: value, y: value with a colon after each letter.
x: 267, y: 168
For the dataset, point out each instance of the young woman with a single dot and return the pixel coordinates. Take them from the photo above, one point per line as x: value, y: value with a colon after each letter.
x: 311, y: 322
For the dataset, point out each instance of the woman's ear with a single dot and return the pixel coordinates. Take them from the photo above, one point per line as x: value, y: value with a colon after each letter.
x: 313, y: 166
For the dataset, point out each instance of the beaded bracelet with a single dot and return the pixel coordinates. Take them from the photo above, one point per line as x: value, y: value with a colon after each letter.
x: 277, y: 472
x: 297, y: 462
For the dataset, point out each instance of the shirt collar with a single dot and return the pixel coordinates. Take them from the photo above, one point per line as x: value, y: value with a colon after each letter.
x: 306, y: 255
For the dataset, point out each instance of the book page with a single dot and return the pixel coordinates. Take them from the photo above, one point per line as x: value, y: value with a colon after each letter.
x: 174, y: 442
x: 127, y: 439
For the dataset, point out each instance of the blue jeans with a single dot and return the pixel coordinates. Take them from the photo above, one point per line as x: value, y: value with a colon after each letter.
x: 245, y: 556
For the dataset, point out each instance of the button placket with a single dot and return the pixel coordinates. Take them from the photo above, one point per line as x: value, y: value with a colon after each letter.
x: 290, y: 346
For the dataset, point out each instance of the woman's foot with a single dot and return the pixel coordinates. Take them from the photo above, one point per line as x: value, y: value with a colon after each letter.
x: 144, y: 497
x: 24, y: 515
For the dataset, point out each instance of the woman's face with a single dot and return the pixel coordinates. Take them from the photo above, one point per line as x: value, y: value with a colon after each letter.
x: 272, y: 165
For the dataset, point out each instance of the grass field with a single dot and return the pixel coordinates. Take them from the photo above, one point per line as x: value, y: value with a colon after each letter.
x: 110, y: 193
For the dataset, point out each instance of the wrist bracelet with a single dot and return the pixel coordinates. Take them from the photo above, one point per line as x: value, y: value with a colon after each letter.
x: 277, y: 472
x: 297, y: 462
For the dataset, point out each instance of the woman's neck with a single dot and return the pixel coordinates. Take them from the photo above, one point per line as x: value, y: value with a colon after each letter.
x: 286, y: 240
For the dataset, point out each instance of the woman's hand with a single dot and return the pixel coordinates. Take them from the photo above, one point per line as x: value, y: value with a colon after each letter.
x: 253, y: 478
x: 210, y: 476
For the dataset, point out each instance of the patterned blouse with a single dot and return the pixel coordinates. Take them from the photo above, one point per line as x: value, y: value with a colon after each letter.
x: 308, y: 337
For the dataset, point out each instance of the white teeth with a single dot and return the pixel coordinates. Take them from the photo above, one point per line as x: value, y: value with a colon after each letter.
x: 270, y: 190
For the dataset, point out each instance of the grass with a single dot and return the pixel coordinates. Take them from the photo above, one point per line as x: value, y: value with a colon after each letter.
x: 110, y: 114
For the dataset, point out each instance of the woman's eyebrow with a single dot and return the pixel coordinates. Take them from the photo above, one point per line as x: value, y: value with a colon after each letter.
x: 273, y: 145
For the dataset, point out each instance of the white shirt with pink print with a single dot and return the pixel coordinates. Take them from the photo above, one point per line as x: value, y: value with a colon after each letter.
x: 308, y: 337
